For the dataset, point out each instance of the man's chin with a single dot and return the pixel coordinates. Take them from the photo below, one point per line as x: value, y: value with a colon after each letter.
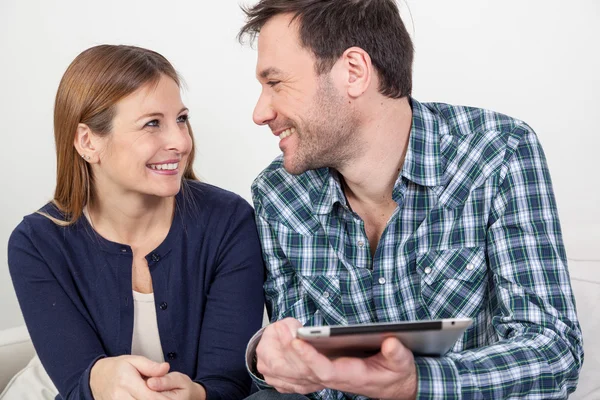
x: 292, y: 167
x: 296, y: 168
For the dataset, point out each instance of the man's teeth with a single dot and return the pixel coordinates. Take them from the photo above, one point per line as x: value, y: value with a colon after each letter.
x: 287, y: 133
x: 164, y: 167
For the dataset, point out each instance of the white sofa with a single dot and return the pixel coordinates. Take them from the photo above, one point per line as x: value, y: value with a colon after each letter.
x: 16, y: 349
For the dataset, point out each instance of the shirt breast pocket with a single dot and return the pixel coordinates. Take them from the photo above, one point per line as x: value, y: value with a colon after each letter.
x: 453, y: 281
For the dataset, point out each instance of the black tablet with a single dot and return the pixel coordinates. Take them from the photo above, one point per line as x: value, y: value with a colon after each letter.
x: 426, y: 337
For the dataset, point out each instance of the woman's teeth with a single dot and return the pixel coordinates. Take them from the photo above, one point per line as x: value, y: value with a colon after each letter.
x: 164, y: 167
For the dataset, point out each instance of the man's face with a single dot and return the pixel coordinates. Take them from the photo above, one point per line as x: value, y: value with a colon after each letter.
x: 309, y: 113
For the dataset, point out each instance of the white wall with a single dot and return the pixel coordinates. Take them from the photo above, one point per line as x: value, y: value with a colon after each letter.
x: 536, y: 60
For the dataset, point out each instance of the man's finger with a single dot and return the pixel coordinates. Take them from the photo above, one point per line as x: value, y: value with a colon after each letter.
x: 283, y: 386
x: 284, y: 332
x: 323, y: 370
x: 394, y: 352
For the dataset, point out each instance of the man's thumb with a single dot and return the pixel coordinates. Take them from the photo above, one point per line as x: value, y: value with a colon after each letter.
x: 392, y: 350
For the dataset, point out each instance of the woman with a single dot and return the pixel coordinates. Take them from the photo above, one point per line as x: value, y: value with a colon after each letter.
x: 135, y: 262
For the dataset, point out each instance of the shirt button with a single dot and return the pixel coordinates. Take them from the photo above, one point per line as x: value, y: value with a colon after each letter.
x: 326, y: 294
x: 361, y: 243
x: 172, y: 355
x: 155, y: 257
x: 163, y: 306
x: 427, y: 270
x: 123, y: 249
x: 382, y: 281
x: 470, y: 267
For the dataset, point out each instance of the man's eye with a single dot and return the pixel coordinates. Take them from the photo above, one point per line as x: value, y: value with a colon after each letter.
x: 183, y: 118
x: 154, y: 123
x: 273, y: 83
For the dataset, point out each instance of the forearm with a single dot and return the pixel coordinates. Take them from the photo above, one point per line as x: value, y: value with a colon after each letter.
x: 537, y: 362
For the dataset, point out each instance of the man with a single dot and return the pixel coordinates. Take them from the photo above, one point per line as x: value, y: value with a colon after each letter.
x: 385, y: 209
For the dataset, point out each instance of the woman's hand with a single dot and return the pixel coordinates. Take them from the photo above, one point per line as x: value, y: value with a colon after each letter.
x: 177, y: 386
x: 124, y: 377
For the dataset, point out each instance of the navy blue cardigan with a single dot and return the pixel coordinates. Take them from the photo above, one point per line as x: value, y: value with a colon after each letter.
x: 75, y: 291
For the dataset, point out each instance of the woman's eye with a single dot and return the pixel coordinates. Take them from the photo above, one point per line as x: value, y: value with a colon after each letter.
x: 183, y: 118
x: 154, y: 123
x: 272, y: 83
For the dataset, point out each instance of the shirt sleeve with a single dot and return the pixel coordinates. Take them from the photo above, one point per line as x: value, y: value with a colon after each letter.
x: 540, y: 351
x: 251, y: 361
x: 279, y: 288
x: 63, y: 337
x: 234, y: 309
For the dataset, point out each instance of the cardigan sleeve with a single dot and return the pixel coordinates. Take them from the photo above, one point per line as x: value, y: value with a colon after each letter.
x: 64, y: 339
x: 234, y: 308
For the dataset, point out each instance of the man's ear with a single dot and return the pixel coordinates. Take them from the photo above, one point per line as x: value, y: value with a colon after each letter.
x: 84, y: 143
x: 358, y: 70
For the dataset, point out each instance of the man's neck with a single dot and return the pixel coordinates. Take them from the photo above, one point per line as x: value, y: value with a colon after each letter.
x: 369, y: 178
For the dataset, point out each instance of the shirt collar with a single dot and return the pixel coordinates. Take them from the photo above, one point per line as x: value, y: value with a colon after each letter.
x: 423, y: 163
x: 328, y: 192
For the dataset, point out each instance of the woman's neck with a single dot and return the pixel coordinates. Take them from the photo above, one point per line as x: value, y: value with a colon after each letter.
x: 133, y: 220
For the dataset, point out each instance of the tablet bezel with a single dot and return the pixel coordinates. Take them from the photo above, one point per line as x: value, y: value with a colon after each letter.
x: 425, y: 337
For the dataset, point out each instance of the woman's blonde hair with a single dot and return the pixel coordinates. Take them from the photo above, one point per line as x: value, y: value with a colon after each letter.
x: 88, y: 92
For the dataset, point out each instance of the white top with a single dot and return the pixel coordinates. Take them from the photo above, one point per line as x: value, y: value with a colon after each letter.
x: 146, y: 339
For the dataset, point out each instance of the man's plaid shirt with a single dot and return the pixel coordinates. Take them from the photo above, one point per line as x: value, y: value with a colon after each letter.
x: 475, y: 234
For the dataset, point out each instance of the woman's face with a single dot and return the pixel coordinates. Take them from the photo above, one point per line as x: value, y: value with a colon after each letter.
x: 147, y: 150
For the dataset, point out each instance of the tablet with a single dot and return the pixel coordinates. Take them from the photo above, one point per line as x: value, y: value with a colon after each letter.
x: 426, y: 337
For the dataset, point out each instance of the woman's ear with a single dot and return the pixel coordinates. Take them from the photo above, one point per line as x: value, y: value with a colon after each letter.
x: 84, y: 145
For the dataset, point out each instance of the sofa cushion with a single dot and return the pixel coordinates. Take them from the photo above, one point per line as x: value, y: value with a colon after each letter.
x: 16, y: 350
x: 31, y: 383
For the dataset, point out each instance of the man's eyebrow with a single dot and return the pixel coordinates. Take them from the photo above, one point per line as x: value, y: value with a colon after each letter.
x: 268, y: 72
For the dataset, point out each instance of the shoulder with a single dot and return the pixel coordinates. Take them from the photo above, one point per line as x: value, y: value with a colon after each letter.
x: 275, y: 188
x: 466, y: 123
x: 38, y: 224
x: 206, y: 201
x: 210, y: 194
x: 38, y: 235
x: 479, y: 140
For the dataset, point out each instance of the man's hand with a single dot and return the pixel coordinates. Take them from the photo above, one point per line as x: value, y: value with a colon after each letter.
x: 177, y: 386
x: 291, y: 365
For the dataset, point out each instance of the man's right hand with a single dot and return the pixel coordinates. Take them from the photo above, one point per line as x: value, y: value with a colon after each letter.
x: 123, y: 377
x: 280, y: 364
x: 292, y: 365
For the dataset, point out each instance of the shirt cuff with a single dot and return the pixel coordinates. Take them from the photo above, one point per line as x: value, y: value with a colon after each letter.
x: 85, y: 390
x: 251, y: 361
x: 438, y: 378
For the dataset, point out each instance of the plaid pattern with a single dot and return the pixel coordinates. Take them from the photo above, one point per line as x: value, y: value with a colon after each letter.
x: 476, y: 234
